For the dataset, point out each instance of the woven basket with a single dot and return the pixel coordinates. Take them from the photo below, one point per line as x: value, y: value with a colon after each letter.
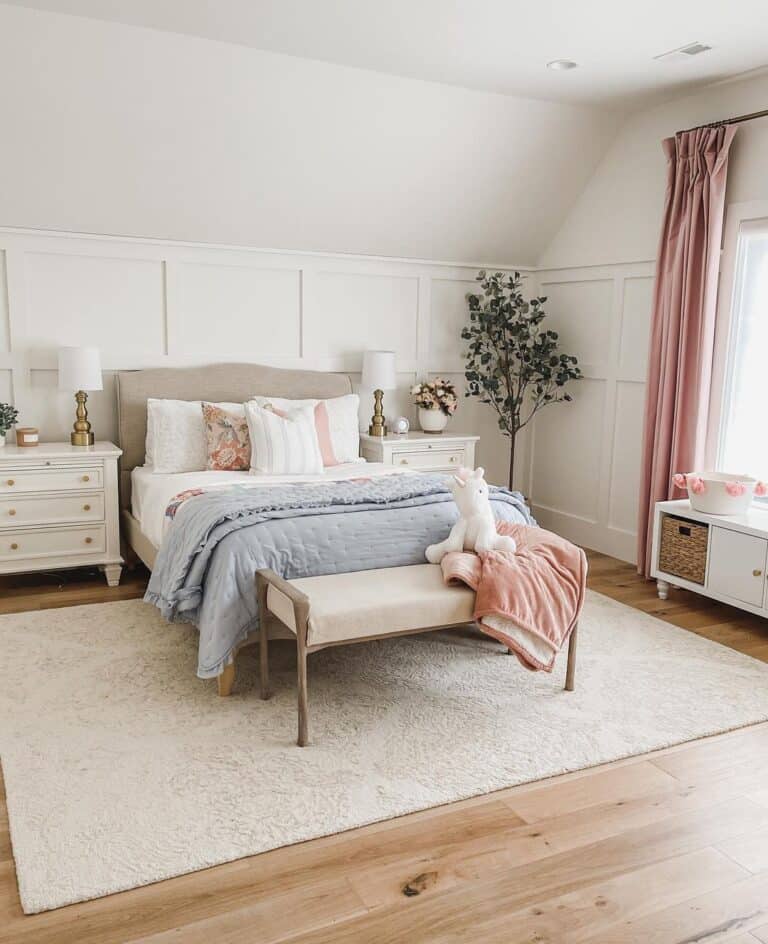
x: 683, y: 550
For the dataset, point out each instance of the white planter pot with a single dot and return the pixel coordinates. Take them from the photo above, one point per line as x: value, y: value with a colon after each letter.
x: 432, y: 421
x: 2, y: 439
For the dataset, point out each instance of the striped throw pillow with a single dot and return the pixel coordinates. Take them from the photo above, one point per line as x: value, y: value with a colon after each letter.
x: 337, y: 423
x: 283, y: 444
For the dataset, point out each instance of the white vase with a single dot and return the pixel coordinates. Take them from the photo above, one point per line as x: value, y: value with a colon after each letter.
x: 432, y: 421
x: 2, y: 439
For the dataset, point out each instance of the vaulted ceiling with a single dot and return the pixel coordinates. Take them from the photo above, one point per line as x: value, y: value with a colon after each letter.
x: 493, y: 45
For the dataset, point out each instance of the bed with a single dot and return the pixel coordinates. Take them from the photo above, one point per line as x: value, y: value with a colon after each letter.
x: 205, y: 534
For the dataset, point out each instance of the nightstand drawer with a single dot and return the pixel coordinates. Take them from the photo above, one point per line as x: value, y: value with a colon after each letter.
x: 26, y: 510
x: 55, y: 480
x: 429, y: 459
x: 63, y: 542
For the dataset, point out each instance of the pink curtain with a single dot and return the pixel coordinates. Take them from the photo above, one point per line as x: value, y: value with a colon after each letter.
x: 683, y: 319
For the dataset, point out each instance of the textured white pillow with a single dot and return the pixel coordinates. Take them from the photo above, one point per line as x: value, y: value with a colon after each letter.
x: 176, y: 435
x: 283, y: 443
x: 337, y: 424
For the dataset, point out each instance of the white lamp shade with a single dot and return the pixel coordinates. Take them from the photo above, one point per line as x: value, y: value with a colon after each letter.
x: 379, y: 370
x: 79, y: 369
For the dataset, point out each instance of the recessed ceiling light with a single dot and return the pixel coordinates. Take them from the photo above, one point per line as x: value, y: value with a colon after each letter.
x: 562, y: 65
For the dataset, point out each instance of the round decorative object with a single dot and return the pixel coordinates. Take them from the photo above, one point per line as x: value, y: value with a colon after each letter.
x: 401, y: 425
x: 432, y: 421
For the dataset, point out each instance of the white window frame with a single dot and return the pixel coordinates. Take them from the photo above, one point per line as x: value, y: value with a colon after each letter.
x: 738, y: 218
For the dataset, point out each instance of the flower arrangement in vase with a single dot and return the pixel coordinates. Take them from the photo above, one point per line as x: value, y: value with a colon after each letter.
x: 437, y: 402
x: 8, y: 416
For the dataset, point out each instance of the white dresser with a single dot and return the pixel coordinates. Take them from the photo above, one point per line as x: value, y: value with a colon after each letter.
x: 59, y: 508
x: 423, y: 452
x: 730, y: 562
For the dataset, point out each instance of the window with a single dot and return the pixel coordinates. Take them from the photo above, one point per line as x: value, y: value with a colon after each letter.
x: 743, y: 437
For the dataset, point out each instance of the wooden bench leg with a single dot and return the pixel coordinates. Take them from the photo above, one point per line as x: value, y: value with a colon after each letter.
x: 570, y: 672
x: 261, y: 595
x: 264, y: 659
x: 264, y: 579
x: 301, y: 611
x: 226, y: 680
x: 303, y: 738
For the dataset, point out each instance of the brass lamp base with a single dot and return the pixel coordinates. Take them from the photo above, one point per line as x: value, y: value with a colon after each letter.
x: 81, y: 434
x: 378, y: 427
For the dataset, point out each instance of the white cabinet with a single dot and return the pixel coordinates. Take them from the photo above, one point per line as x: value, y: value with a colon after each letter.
x: 59, y: 508
x: 736, y: 565
x: 736, y: 556
x: 422, y: 452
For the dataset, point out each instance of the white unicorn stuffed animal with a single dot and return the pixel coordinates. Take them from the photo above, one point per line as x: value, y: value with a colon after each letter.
x: 476, y: 528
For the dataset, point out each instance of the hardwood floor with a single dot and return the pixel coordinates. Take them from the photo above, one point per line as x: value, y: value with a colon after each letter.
x: 668, y: 848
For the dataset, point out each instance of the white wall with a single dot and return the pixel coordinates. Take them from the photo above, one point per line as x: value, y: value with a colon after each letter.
x: 110, y: 129
x: 617, y: 216
x: 156, y: 302
x: 129, y: 131
x: 584, y: 457
x: 598, y: 273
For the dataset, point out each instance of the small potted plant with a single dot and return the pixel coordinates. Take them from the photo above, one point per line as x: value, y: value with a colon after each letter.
x: 437, y: 402
x: 8, y: 416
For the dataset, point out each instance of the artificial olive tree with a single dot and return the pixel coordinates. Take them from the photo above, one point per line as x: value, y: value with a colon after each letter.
x: 512, y: 361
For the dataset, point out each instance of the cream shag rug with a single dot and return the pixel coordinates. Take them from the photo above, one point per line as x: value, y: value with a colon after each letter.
x: 122, y: 768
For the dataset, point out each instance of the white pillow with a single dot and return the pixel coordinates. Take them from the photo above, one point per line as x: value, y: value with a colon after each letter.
x: 283, y: 443
x: 176, y: 435
x: 336, y: 421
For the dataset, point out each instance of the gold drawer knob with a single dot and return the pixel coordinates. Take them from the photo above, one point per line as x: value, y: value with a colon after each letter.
x: 11, y: 482
x: 452, y: 459
x: 14, y: 547
x: 11, y: 511
x: 86, y: 507
x: 403, y: 462
x: 757, y: 573
x: 89, y: 540
x: 86, y: 478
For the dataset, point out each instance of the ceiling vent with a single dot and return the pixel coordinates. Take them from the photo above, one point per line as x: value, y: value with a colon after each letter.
x: 683, y: 53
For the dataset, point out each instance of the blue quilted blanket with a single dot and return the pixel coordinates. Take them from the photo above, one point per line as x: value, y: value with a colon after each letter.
x: 204, y: 572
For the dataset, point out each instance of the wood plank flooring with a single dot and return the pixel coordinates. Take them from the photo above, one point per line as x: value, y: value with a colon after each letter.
x: 668, y: 848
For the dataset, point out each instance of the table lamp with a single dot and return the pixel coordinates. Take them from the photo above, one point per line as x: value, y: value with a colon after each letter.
x: 378, y: 375
x: 79, y: 371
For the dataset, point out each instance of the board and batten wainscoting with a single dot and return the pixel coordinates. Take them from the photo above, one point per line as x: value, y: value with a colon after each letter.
x: 583, y: 458
x: 150, y: 302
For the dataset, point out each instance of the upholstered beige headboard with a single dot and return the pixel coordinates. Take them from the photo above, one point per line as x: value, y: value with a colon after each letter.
x: 233, y: 383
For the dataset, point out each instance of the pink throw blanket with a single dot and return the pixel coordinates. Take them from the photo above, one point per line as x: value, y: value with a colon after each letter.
x: 529, y: 600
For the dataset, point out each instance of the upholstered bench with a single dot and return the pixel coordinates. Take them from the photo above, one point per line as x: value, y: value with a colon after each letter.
x: 357, y: 607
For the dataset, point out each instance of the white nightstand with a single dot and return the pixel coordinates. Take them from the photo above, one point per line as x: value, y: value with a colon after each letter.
x: 59, y: 508
x: 423, y: 452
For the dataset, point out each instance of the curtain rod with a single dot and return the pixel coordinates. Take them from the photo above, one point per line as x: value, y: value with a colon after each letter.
x: 729, y: 121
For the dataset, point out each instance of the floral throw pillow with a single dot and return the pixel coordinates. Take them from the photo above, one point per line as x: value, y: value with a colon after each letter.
x: 228, y: 444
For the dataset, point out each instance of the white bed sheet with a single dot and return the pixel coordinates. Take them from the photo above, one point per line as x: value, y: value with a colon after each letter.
x: 151, y: 492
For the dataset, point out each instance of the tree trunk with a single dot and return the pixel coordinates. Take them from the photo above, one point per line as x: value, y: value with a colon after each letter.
x: 511, y: 459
